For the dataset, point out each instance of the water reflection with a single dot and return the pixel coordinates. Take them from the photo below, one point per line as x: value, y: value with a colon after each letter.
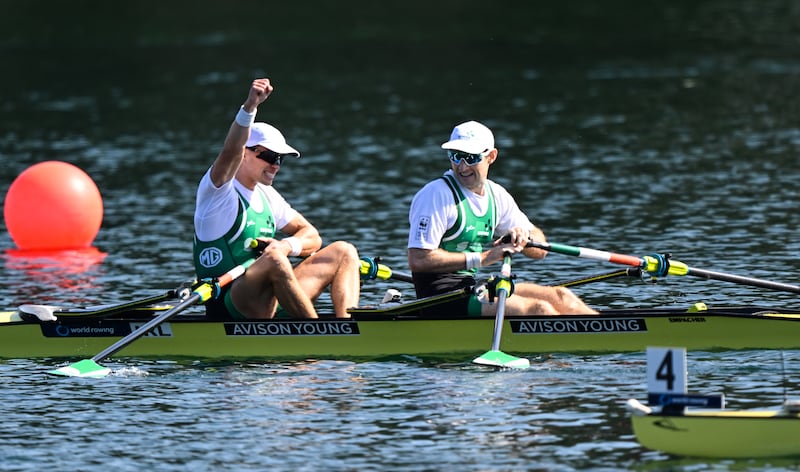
x: 50, y: 276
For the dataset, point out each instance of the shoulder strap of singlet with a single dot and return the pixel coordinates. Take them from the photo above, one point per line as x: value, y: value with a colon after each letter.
x: 459, y: 201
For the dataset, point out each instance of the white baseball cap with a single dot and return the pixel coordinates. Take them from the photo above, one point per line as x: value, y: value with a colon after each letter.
x: 262, y: 134
x: 471, y: 137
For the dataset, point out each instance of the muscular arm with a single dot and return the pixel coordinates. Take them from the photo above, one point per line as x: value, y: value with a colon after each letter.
x: 441, y: 261
x: 304, y: 231
x: 230, y: 158
x: 435, y: 260
x: 532, y: 252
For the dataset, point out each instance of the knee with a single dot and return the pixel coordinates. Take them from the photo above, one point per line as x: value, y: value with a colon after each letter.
x: 563, y: 293
x: 541, y: 307
x: 345, y: 251
x: 274, y: 264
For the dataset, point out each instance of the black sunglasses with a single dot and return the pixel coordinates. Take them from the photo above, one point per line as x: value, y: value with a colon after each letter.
x: 269, y: 156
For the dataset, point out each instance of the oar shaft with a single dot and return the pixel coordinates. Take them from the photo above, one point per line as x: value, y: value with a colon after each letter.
x: 708, y: 274
x: 503, y: 289
x: 202, y: 293
x: 382, y: 271
x: 626, y: 272
x: 661, y: 265
x: 498, y: 320
x: 49, y: 312
x: 402, y: 276
x: 495, y: 357
x: 144, y: 329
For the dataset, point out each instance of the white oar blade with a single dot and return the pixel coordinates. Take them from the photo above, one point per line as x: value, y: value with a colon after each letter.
x: 502, y: 360
x: 84, y: 368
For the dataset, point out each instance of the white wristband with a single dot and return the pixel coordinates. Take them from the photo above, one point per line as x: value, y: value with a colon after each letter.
x: 473, y: 260
x: 245, y: 119
x: 297, y: 246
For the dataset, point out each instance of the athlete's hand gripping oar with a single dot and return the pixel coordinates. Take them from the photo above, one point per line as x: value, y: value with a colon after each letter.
x: 371, y: 269
x: 204, y: 291
x: 495, y: 357
x: 660, y: 266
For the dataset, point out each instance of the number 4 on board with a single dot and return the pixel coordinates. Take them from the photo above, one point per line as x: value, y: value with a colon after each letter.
x: 666, y: 370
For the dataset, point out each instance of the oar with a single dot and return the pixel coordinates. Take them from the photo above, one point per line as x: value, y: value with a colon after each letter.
x: 371, y: 268
x: 203, y: 292
x: 49, y: 312
x: 495, y: 357
x: 627, y: 272
x: 660, y: 265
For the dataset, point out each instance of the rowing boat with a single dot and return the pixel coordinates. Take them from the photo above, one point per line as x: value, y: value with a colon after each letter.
x: 698, y: 425
x: 395, y: 329
x: 421, y: 328
x: 720, y: 433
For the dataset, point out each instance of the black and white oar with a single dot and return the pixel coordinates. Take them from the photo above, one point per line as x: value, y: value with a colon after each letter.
x: 204, y: 291
x: 660, y: 265
x: 495, y: 357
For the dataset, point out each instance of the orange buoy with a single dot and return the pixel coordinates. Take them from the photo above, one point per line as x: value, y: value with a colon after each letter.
x: 53, y: 205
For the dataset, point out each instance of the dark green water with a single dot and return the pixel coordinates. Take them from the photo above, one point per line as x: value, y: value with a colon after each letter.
x: 624, y: 126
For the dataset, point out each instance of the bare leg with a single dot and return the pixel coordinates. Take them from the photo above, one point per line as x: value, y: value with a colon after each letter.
x: 346, y: 285
x: 271, y: 276
x: 518, y: 306
x: 562, y: 299
x: 336, y: 265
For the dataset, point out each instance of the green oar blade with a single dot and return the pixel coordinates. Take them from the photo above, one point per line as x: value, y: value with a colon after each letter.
x: 503, y: 360
x: 84, y: 368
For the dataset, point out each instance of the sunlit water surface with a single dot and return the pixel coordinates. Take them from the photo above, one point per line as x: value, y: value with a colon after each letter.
x: 665, y: 129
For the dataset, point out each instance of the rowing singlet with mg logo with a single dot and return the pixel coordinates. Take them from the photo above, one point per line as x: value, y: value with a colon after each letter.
x: 214, y: 258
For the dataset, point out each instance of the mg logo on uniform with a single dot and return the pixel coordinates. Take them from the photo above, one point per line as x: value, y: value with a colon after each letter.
x: 210, y: 257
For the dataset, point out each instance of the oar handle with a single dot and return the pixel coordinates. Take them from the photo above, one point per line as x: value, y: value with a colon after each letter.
x: 587, y: 253
x: 656, y: 264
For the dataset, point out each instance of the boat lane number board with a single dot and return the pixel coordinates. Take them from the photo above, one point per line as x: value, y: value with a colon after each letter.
x: 666, y: 370
x: 666, y: 381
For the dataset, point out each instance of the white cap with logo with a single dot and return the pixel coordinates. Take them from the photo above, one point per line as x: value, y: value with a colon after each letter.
x: 262, y: 134
x: 471, y: 137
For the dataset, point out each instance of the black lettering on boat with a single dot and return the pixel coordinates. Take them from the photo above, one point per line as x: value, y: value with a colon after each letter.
x: 581, y: 325
x: 688, y: 319
x: 162, y: 330
x: 292, y: 328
